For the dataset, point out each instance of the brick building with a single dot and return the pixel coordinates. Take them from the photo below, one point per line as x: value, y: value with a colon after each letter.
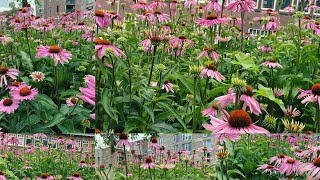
x: 55, y: 8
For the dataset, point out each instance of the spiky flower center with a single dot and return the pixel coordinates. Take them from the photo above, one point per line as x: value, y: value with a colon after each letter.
x: 316, y: 89
x: 24, y: 10
x: 157, y: 12
x: 74, y: 100
x: 291, y: 161
x: 306, y: 17
x: 102, y: 42
x: 249, y: 91
x: 239, y: 119
x: 281, y: 156
x: 17, y: 20
x: 182, y: 37
x: 44, y: 175
x: 162, y: 148
x: 1, y: 173
x: 215, y: 106
x: 3, y: 69
x: 148, y: 160
x: 316, y: 162
x: 7, y: 102
x: 25, y: 91
x: 212, y: 16
x: 60, y: 137
x: 99, y: 13
x: 154, y: 140
x: 269, y: 166
x: 123, y: 136
x: 81, y: 23
x: 212, y: 67
x: 76, y: 174
x: 54, y: 49
x: 82, y: 161
x: 143, y: 3
x: 166, y: 82
x: 272, y: 61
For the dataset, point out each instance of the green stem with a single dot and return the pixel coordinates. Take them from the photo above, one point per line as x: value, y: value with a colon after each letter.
x: 26, y: 34
x: 125, y: 159
x: 194, y: 122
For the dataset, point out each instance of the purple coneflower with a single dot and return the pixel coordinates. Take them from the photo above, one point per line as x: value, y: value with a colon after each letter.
x: 279, y: 159
x: 292, y: 113
x: 4, y: 72
x: 238, y: 122
x: 37, y: 76
x: 213, y: 5
x: 58, y: 54
x: 72, y: 101
x: 221, y: 138
x: 210, y: 20
x: 211, y: 111
x: 265, y: 49
x: 290, y: 166
x: 312, y: 169
x: 76, y: 176
x: 45, y: 176
x: 89, y: 91
x: 167, y: 86
x: 24, y: 93
x: 2, y: 177
x: 123, y: 141
x: 102, y: 45
x: 268, y: 168
x: 211, y: 71
x: 154, y: 144
x: 272, y: 64
x: 142, y: 4
x: 209, y: 53
x: 249, y: 101
x: 148, y: 164
x: 9, y: 105
x: 101, y: 19
x: 312, y: 95
x: 242, y: 6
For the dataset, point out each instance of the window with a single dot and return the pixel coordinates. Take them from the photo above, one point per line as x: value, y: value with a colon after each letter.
x: 285, y: 3
x: 317, y: 11
x: 186, y: 147
x: 176, y: 148
x: 57, y: 8
x: 21, y: 139
x: 206, y: 134
x: 161, y: 141
x: 268, y: 4
x: 187, y: 137
x: 301, y: 6
x: 207, y: 143
x: 176, y: 138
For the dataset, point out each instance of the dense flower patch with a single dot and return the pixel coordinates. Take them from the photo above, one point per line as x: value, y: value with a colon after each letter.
x: 46, y: 74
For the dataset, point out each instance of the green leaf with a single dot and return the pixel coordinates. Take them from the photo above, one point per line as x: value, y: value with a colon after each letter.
x: 268, y: 93
x: 46, y: 101
x: 112, y: 112
x: 27, y: 63
x: 186, y: 82
x: 173, y: 112
x: 235, y: 171
x: 31, y: 120
x: 246, y: 61
x: 248, y: 167
x: 57, y: 118
x: 149, y: 110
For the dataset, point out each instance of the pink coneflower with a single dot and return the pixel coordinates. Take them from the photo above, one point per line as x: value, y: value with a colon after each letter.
x: 4, y: 72
x: 167, y: 86
x: 242, y: 5
x: 45, y: 176
x: 101, y: 19
x: 159, y: 17
x: 289, y: 9
x: 292, y: 113
x: 226, y: 99
x: 312, y: 6
x: 180, y: 42
x: 76, y: 176
x: 37, y: 76
x: 292, y: 139
x: 308, y: 23
x: 89, y: 91
x: 209, y: 53
x: 271, y: 26
x: 142, y: 4
x: 290, y: 166
x: 154, y: 144
x: 30, y: 150
x: 221, y: 138
x: 72, y: 141
x: 312, y: 95
x: 238, y: 122
x: 24, y: 93
x: 148, y: 164
x: 277, y: 92
x: 72, y: 101
x: 2, y: 177
x: 190, y: 3
x: 8, y: 105
x: 45, y: 27
x: 312, y: 168
x: 58, y: 54
x: 123, y: 141
x: 210, y: 20
x: 157, y: 4
x: 267, y: 168
x: 60, y: 140
x: 102, y: 45
x: 213, y: 5
x: 211, y: 71
x: 83, y: 163
x: 39, y: 135
x: 249, y: 101
x: 272, y: 64
x: 211, y: 111
x: 279, y: 159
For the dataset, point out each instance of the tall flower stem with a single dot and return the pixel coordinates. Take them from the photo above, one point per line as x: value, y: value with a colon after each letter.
x: 113, y: 77
x: 28, y: 114
x: 125, y: 159
x: 27, y: 39
x: 194, y: 121
x: 150, y: 173
x: 151, y: 68
x: 298, y: 45
x: 56, y: 83
x: 241, y: 40
x: 130, y: 78
x: 317, y: 119
x: 205, y: 88
x: 315, y: 69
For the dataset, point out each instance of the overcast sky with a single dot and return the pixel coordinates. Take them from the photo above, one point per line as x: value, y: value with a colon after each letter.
x: 4, y: 4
